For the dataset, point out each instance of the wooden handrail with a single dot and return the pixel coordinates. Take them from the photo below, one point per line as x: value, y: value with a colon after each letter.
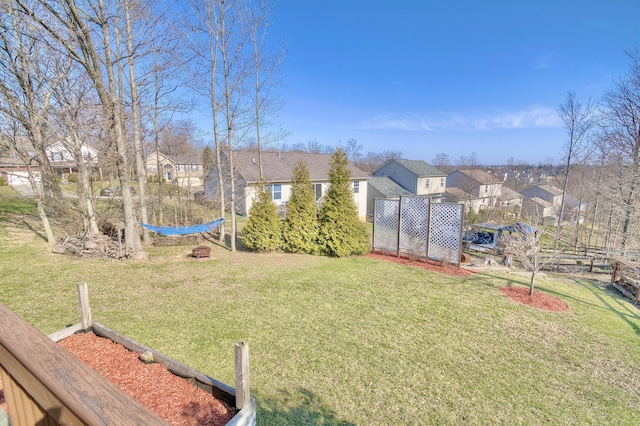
x: 65, y: 390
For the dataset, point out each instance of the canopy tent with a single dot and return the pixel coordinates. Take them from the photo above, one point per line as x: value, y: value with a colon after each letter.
x: 184, y: 230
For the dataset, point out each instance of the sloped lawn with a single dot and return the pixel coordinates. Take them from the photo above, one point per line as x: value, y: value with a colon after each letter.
x: 353, y: 341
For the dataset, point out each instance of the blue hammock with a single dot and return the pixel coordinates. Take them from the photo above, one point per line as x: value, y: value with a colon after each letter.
x: 184, y: 230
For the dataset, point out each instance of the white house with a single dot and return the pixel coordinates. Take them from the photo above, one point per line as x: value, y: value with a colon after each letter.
x: 277, y: 170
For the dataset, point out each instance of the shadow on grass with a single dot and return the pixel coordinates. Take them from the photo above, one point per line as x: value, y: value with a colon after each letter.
x: 298, y: 407
x: 625, y: 309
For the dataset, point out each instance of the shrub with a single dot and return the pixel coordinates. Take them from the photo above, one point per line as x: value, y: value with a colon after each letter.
x: 73, y: 178
x: 3, y: 182
x: 300, y: 228
x: 341, y: 233
x: 262, y: 232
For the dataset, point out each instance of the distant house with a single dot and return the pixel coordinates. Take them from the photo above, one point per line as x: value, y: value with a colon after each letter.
x: 277, y: 169
x: 61, y: 161
x: 476, y: 188
x: 181, y: 170
x: 397, y: 178
x: 544, y: 201
x: 548, y: 193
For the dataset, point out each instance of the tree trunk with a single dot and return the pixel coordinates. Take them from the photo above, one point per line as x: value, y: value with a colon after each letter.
x: 533, y: 282
x: 137, y: 125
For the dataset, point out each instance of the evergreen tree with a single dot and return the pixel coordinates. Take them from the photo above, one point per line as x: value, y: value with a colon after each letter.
x: 341, y: 233
x: 262, y: 232
x: 300, y: 231
x: 207, y: 159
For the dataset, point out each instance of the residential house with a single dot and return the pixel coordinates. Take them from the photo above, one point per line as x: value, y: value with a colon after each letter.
x: 61, y: 161
x: 181, y: 170
x: 277, y: 171
x: 64, y: 164
x: 397, y: 178
x: 544, y: 201
x: 480, y: 190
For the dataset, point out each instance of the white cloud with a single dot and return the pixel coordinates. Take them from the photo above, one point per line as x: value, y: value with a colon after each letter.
x: 544, y: 62
x: 404, y: 122
x: 531, y: 117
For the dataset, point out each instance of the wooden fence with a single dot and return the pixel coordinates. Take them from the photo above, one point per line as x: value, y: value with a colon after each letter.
x: 626, y: 279
x: 45, y: 384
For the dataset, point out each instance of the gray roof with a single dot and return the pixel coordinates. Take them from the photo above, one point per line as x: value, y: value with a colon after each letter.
x: 457, y: 194
x: 420, y: 168
x: 278, y: 167
x: 509, y: 194
x: 387, y: 187
x: 480, y: 176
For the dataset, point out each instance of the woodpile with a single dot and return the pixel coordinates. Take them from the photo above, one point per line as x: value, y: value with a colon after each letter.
x: 95, y: 246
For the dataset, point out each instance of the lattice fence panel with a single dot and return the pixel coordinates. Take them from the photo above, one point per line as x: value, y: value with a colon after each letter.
x: 414, y: 225
x: 444, y: 232
x: 385, y: 224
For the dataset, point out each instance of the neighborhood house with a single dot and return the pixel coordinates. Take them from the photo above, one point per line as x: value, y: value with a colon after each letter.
x: 277, y: 170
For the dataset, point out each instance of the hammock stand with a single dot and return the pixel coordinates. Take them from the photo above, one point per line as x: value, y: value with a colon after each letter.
x: 184, y: 230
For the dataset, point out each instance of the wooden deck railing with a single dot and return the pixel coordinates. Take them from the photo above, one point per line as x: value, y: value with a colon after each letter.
x: 46, y: 385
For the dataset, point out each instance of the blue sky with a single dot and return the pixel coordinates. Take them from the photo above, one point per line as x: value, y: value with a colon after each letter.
x: 454, y: 77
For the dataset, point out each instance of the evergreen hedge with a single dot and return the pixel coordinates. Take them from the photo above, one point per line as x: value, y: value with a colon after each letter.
x: 341, y: 233
x: 300, y: 228
x: 262, y: 232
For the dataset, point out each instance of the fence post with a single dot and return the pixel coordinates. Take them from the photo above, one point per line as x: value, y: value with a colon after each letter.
x: 242, y: 374
x: 85, y: 309
x: 399, y: 224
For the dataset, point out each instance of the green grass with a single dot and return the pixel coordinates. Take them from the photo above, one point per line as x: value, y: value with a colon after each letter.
x: 12, y: 203
x: 353, y: 341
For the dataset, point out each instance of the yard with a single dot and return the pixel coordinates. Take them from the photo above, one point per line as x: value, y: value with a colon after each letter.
x: 352, y: 340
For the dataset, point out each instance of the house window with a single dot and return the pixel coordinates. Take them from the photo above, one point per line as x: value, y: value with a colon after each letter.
x: 57, y: 156
x: 276, y: 191
x: 31, y: 153
x: 356, y: 186
x: 317, y: 189
x: 182, y: 167
x: 194, y: 167
x: 441, y: 182
x: 426, y: 183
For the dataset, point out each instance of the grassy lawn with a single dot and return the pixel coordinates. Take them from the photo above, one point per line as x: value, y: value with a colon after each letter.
x: 352, y: 341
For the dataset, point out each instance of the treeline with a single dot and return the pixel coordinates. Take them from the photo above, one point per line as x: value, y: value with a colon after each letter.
x: 114, y: 73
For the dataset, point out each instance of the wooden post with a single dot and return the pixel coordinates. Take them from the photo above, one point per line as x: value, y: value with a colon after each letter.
x: 591, y: 265
x: 85, y: 309
x: 242, y: 374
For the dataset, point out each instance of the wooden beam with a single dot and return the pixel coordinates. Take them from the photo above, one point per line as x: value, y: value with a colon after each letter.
x: 85, y: 309
x: 242, y: 374
x: 66, y: 389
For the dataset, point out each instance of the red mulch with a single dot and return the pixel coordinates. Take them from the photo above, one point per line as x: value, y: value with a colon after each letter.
x: 539, y: 299
x: 430, y: 265
x: 169, y: 396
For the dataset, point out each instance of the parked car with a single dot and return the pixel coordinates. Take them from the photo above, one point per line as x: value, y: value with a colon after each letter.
x: 115, y: 191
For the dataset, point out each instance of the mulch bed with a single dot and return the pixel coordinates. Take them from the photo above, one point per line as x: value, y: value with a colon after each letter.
x: 169, y: 396
x: 539, y: 299
x: 429, y: 265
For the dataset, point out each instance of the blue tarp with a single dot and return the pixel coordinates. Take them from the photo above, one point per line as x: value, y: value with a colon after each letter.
x: 185, y: 230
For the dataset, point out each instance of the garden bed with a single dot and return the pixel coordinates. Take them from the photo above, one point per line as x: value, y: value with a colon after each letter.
x: 171, y: 397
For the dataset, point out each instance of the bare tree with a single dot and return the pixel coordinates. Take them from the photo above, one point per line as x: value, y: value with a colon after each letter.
x: 353, y: 150
x: 621, y: 130
x: 578, y: 122
x: 86, y: 36
x: 524, y: 242
x: 75, y: 120
x: 266, y: 67
x: 30, y: 73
